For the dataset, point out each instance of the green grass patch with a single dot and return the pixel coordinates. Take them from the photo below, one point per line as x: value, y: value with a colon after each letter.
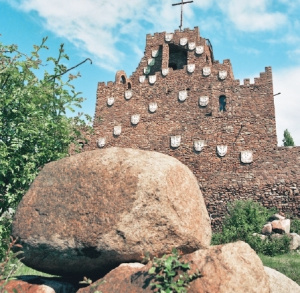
x: 287, y: 264
x: 27, y: 271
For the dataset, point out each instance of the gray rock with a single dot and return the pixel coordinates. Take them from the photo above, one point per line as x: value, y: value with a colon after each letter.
x: 295, y: 241
x: 280, y: 283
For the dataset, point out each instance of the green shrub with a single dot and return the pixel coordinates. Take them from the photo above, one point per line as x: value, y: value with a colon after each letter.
x: 295, y: 226
x: 5, y: 224
x: 243, y: 220
x: 170, y: 274
x: 270, y: 246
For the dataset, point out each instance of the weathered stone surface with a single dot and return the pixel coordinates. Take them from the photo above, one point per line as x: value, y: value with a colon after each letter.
x: 126, y: 278
x: 233, y: 267
x: 267, y: 229
x: 281, y: 226
x: 92, y: 211
x: 35, y: 284
x: 295, y: 241
x: 280, y: 283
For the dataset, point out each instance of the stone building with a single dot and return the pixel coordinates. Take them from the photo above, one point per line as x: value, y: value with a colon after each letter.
x: 182, y: 102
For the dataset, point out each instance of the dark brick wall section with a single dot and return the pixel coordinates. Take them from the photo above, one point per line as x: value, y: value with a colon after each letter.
x: 248, y: 124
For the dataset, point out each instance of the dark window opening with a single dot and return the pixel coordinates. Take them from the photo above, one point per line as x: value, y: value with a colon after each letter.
x: 129, y: 85
x: 177, y: 57
x: 156, y: 67
x: 222, y: 103
x: 173, y: 65
x: 123, y: 79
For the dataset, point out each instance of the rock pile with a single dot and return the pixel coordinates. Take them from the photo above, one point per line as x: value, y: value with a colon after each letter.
x: 98, y: 213
x: 278, y: 226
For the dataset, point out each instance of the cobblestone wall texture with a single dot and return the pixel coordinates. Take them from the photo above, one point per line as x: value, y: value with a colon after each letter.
x: 245, y: 123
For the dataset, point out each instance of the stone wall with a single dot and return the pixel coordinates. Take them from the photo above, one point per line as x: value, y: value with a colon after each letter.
x: 247, y: 124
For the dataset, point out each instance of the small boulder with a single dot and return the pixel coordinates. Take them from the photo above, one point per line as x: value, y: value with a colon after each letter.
x: 93, y: 211
x: 281, y: 226
x: 295, y: 241
x: 267, y: 229
x: 280, y: 283
x: 232, y: 267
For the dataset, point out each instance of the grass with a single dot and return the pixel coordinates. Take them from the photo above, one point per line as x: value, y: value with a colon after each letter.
x: 287, y: 264
x: 27, y: 271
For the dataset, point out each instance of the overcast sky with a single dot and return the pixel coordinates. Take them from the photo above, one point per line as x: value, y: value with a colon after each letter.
x: 252, y: 34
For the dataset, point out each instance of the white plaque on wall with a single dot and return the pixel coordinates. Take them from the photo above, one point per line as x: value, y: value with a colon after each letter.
x: 146, y: 70
x: 101, y: 142
x: 247, y: 157
x: 135, y: 119
x: 142, y: 78
x: 117, y: 130
x: 175, y: 141
x: 183, y: 41
x: 191, y: 68
x: 128, y: 94
x: 222, y: 74
x: 206, y: 71
x: 199, y: 145
x: 165, y: 71
x: 199, y: 50
x: 152, y: 79
x: 110, y: 101
x: 182, y: 95
x: 192, y: 45
x: 151, y: 61
x: 221, y: 150
x: 154, y: 53
x: 203, y: 101
x: 152, y: 107
x: 168, y: 37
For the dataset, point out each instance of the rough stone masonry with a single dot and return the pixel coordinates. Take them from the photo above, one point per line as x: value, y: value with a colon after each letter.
x: 182, y: 102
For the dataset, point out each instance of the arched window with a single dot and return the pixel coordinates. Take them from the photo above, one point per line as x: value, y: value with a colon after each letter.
x: 222, y: 103
x: 129, y: 85
x: 123, y: 79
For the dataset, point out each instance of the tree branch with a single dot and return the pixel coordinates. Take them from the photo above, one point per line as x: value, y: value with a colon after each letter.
x: 55, y: 76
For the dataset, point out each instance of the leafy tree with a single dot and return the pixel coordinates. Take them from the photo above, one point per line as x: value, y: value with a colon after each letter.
x: 34, y: 128
x: 287, y: 139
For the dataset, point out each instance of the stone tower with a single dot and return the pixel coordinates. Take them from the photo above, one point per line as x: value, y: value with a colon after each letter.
x: 182, y: 102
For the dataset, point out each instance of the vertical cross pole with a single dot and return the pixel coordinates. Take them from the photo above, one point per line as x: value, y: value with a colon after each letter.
x: 181, y: 3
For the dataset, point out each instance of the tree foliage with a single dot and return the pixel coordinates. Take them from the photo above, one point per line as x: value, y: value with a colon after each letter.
x: 287, y: 139
x: 34, y: 128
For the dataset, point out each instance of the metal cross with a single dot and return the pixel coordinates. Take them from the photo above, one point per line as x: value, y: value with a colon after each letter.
x: 181, y: 3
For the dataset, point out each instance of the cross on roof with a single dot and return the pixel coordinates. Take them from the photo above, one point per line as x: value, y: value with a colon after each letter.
x: 181, y: 3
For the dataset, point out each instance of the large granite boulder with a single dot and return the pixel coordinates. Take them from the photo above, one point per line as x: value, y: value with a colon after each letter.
x: 93, y: 211
x: 233, y: 267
